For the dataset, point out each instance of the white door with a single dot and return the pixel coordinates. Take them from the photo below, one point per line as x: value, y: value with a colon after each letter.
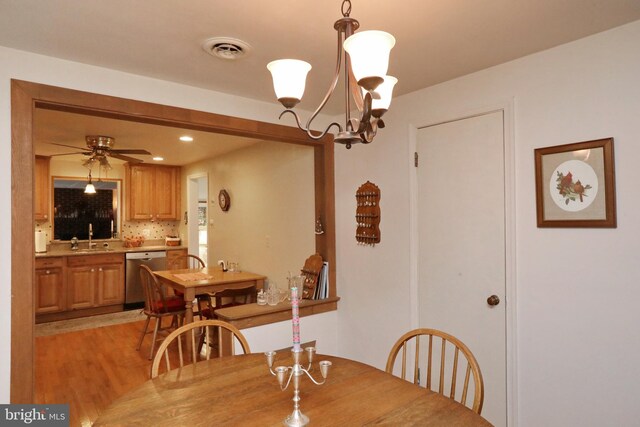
x: 461, y: 243
x: 197, y: 203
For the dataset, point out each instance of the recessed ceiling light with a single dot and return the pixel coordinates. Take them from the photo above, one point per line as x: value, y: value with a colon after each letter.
x: 158, y: 158
x: 186, y: 138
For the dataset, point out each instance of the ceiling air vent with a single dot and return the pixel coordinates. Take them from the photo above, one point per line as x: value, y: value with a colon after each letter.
x: 226, y: 48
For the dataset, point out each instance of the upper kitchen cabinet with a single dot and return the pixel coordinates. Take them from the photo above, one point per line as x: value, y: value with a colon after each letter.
x: 42, y: 188
x: 152, y: 192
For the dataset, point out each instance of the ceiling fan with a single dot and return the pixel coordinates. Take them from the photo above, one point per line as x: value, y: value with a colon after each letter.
x: 100, y: 147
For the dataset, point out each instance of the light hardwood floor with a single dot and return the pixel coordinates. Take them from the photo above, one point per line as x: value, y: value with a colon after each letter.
x: 89, y: 369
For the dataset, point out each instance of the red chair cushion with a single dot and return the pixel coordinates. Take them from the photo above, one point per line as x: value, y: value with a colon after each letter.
x: 172, y: 304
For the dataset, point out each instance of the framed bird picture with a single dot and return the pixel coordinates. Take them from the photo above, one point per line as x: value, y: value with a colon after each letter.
x: 575, y: 185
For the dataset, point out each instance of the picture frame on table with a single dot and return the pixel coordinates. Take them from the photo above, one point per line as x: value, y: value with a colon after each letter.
x: 575, y: 185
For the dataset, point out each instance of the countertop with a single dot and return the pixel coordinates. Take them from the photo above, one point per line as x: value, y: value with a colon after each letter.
x: 113, y: 249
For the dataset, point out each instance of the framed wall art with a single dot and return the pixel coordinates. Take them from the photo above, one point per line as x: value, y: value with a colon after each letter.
x: 575, y: 185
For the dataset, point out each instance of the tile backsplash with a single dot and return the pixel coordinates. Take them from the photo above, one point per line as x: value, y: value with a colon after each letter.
x: 156, y: 230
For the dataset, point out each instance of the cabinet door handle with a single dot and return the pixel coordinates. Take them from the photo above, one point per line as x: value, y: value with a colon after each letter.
x: 93, y: 269
x: 100, y: 269
x: 47, y: 272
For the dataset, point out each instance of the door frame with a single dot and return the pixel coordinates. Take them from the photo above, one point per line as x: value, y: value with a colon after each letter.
x: 27, y: 96
x: 192, y: 180
x: 507, y: 109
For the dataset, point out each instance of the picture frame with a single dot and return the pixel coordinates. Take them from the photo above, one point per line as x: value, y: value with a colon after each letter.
x: 575, y: 185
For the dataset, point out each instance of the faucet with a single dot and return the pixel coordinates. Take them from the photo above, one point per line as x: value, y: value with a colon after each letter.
x: 90, y: 235
x: 222, y: 263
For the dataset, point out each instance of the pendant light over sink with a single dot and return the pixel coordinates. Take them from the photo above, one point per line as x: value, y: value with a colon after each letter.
x: 366, y: 59
x: 90, y: 188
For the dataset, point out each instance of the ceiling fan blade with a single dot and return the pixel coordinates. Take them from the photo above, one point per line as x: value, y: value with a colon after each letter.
x: 125, y: 158
x: 130, y: 151
x: 69, y: 146
x: 68, y: 154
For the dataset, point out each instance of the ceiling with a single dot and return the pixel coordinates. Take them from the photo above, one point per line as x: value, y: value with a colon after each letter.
x: 436, y: 41
x: 51, y: 126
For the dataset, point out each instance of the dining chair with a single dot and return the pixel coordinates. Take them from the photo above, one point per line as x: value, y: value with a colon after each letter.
x: 449, y: 355
x: 185, y: 261
x: 158, y: 305
x: 192, y: 331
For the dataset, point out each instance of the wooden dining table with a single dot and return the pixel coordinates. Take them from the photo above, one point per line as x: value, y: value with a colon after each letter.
x: 240, y: 390
x: 192, y: 282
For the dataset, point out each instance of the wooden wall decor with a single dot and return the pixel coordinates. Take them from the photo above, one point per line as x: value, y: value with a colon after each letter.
x: 368, y: 214
x: 310, y: 271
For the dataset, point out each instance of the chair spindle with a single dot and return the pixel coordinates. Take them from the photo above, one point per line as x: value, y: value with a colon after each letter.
x: 454, y: 373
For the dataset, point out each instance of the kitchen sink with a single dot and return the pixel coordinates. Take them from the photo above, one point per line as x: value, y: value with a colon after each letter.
x: 85, y: 251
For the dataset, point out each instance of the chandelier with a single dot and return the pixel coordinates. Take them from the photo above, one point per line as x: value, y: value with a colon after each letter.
x: 366, y: 59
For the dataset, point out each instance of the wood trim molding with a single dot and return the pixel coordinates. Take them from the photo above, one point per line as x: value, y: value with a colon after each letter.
x: 22, y: 247
x: 252, y: 315
x: 26, y: 96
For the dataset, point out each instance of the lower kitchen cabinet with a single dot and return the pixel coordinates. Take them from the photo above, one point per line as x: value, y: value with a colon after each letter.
x: 49, y: 286
x: 110, y: 284
x: 95, y: 281
x: 81, y: 284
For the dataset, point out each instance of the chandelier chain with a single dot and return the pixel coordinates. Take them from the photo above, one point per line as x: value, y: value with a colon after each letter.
x: 348, y: 11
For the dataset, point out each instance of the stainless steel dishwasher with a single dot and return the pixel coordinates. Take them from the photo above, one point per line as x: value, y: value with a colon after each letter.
x: 133, y: 293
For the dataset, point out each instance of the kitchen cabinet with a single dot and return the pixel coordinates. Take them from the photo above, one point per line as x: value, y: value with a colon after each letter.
x: 42, y: 188
x: 81, y: 283
x: 95, y: 281
x: 172, y: 254
x: 110, y: 285
x: 49, y: 285
x: 153, y: 192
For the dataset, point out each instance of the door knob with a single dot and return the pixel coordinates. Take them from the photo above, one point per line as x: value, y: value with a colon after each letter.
x: 493, y: 300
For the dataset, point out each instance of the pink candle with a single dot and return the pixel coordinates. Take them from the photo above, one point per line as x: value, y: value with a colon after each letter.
x: 295, y: 319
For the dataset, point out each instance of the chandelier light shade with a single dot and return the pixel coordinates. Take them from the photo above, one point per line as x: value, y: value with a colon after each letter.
x: 369, y: 53
x: 366, y: 59
x: 289, y: 79
x: 385, y: 92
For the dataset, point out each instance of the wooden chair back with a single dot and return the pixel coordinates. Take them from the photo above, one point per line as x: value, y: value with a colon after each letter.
x: 185, y: 261
x: 450, y: 349
x: 191, y: 331
x: 232, y: 297
x: 155, y: 295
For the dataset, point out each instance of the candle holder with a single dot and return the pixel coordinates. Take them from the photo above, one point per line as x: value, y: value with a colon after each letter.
x: 297, y: 418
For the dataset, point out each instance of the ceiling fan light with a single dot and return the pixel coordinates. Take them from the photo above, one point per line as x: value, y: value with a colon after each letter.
x: 89, y: 162
x: 104, y: 164
x: 289, y: 79
x: 369, y: 53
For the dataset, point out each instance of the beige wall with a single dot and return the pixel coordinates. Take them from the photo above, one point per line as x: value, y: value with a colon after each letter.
x: 269, y: 228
